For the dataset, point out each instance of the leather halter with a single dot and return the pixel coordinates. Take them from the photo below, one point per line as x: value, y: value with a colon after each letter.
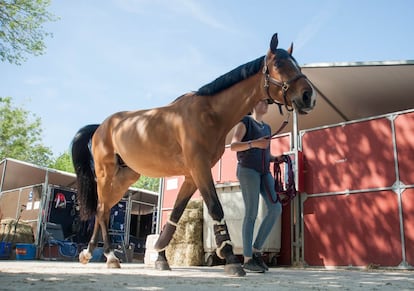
x: 283, y: 84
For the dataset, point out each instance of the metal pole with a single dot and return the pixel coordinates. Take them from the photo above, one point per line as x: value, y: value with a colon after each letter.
x: 3, y: 176
x: 398, y: 190
x: 295, y: 132
x: 127, y: 221
x: 296, y: 203
x: 43, y: 211
x: 159, y: 207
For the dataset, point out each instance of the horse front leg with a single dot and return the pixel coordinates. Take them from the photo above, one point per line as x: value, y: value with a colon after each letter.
x: 110, y: 191
x: 186, y: 191
x: 224, y: 245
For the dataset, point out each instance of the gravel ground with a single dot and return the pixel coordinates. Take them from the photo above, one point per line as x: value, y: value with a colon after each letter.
x: 49, y: 275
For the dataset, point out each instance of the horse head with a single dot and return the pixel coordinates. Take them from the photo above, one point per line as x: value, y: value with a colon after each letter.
x: 291, y: 88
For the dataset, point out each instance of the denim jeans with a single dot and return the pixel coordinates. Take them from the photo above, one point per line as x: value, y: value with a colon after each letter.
x: 252, y: 183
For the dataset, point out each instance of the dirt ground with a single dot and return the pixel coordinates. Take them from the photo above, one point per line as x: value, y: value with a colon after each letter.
x: 49, y: 275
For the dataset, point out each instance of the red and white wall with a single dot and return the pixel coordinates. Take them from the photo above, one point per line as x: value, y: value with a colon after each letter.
x: 358, y: 205
x: 357, y: 202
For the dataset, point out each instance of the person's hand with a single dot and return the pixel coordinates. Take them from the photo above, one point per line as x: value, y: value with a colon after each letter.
x: 278, y: 159
x: 261, y: 143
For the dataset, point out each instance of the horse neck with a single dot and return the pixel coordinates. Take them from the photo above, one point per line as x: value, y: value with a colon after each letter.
x: 235, y: 102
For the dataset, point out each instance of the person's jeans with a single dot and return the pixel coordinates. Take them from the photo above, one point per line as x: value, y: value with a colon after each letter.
x: 252, y: 183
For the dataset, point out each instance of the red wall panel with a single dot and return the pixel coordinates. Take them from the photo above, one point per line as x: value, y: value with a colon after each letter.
x: 404, y: 128
x: 350, y: 157
x: 164, y: 217
x: 280, y: 145
x: 228, y: 165
x: 171, y: 187
x: 215, y: 172
x: 357, y: 230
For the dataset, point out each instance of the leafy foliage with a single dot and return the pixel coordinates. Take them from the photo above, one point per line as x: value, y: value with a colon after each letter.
x: 147, y: 183
x: 20, y: 135
x: 63, y: 163
x: 21, y: 29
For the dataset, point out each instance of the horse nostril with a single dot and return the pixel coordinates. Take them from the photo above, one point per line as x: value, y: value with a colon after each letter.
x: 307, y: 98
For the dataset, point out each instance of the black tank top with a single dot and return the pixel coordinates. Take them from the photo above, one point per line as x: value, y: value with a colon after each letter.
x: 255, y: 158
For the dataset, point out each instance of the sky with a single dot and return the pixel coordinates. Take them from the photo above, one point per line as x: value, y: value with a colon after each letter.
x: 107, y: 56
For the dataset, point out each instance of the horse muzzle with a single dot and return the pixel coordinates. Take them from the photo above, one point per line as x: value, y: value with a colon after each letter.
x: 305, y: 103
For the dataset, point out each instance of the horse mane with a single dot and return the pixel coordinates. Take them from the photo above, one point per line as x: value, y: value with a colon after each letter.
x: 234, y: 76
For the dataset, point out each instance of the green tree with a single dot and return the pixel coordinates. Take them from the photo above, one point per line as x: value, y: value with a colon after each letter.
x: 20, y: 135
x: 21, y: 29
x: 147, y: 183
x: 63, y: 163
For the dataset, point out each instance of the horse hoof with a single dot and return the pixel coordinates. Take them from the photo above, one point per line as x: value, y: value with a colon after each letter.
x: 113, y: 264
x: 162, y: 266
x: 84, y: 257
x: 234, y: 270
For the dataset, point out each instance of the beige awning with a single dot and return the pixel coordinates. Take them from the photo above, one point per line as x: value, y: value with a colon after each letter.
x: 351, y: 91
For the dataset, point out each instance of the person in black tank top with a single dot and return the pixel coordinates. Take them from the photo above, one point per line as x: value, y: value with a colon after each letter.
x: 251, y: 141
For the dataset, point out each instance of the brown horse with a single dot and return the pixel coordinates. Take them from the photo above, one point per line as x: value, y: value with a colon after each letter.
x: 186, y: 137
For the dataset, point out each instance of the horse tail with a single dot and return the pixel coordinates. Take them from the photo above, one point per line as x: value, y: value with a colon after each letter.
x: 85, y: 173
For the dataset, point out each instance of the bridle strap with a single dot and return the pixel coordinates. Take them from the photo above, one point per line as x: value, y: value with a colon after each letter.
x: 283, y: 84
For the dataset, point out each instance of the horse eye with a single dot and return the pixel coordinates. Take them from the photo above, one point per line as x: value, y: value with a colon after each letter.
x: 280, y: 63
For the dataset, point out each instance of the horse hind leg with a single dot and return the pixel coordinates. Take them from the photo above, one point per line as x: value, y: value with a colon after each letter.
x: 101, y: 220
x: 112, y: 262
x: 186, y: 191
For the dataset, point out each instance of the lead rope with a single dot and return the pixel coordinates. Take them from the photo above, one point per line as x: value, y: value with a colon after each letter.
x: 287, y: 189
x: 282, y: 126
x: 276, y: 164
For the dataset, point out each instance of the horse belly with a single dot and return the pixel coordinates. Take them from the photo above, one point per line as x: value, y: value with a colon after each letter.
x: 151, y: 159
x: 156, y: 167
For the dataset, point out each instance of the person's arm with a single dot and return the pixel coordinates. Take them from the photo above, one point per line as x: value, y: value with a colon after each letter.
x: 238, y: 145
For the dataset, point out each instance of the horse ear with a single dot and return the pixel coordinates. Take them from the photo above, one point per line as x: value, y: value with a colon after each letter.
x: 273, y: 43
x: 290, y: 49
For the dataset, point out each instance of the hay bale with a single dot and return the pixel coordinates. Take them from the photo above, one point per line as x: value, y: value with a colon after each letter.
x: 186, y: 246
x: 23, y: 233
x: 185, y: 254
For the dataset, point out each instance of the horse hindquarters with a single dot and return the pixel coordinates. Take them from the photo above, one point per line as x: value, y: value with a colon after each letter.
x: 82, y: 162
x: 86, y: 185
